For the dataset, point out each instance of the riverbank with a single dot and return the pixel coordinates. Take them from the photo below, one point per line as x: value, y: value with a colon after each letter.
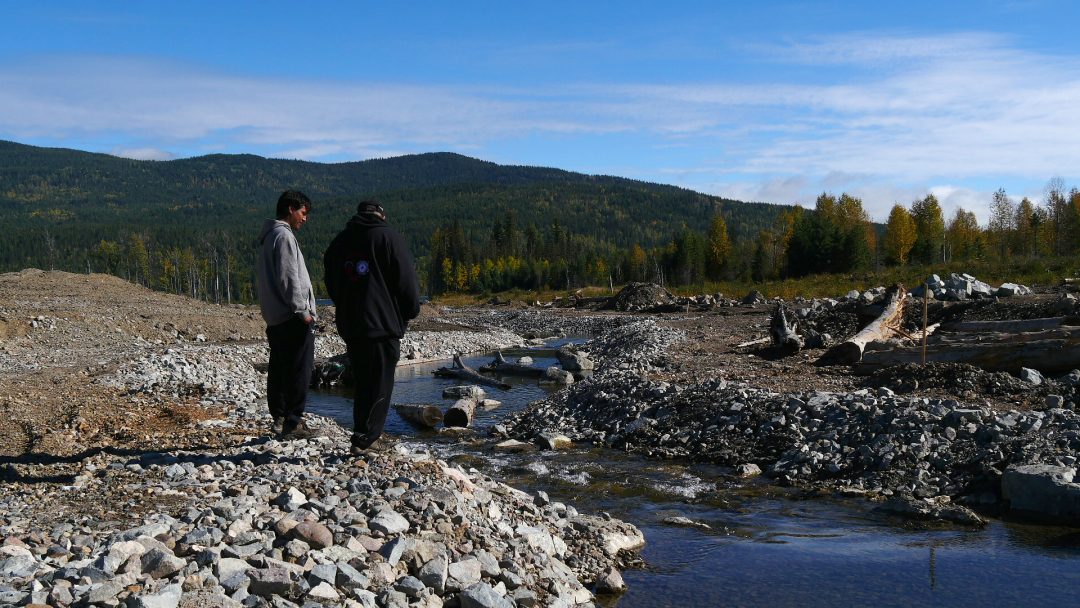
x: 145, y: 475
x: 130, y: 411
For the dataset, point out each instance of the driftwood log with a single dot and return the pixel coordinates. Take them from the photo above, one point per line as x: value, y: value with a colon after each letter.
x: 1050, y: 351
x: 503, y: 367
x: 423, y: 415
x: 1013, y: 326
x: 461, y: 413
x: 464, y: 372
x: 887, y: 325
x: 782, y: 332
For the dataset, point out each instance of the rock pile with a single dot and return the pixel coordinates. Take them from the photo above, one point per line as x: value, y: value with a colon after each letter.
x: 964, y: 286
x: 265, y: 522
x: 287, y: 523
x: 638, y: 297
x: 535, y: 323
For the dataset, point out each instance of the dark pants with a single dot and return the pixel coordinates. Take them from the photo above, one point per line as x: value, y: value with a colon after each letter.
x: 373, y: 364
x: 292, y: 353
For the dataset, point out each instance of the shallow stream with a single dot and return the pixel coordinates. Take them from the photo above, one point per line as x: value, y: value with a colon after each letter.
x: 714, y: 542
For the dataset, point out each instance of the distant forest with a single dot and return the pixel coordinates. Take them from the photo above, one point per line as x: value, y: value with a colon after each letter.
x: 189, y: 226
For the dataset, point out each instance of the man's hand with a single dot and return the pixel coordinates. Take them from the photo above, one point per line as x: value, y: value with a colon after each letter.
x: 308, y: 319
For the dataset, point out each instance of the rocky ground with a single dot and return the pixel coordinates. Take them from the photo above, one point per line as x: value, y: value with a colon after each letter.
x: 138, y: 470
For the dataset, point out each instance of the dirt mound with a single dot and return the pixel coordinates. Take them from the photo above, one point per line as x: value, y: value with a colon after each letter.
x: 637, y: 297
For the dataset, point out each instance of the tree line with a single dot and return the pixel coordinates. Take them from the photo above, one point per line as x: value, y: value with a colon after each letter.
x: 836, y: 236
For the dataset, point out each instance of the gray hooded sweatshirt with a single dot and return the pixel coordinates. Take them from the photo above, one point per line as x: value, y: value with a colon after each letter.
x: 284, y: 286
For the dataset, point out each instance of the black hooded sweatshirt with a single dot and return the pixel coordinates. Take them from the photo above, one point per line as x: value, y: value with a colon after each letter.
x: 370, y: 278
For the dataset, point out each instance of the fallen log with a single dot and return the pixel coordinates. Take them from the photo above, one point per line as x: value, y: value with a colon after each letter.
x: 461, y: 413
x: 783, y: 333
x: 1010, y: 325
x: 463, y: 372
x: 888, y: 324
x: 536, y: 353
x: 503, y: 367
x: 423, y: 415
x: 1054, y: 351
x: 764, y: 340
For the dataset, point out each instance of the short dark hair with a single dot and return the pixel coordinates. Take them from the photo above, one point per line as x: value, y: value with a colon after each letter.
x: 289, y: 200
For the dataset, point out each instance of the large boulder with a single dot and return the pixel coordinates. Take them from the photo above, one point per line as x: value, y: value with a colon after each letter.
x: 1042, y: 489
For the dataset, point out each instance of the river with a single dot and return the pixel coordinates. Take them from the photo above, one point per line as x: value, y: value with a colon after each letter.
x: 715, y: 541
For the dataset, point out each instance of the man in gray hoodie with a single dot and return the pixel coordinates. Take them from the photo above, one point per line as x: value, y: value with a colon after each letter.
x: 288, y: 307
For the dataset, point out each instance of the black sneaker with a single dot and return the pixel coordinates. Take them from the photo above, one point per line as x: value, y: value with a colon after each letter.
x: 358, y: 445
x: 299, y: 430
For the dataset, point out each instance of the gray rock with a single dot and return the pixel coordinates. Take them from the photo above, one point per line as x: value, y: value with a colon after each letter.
x: 747, y: 470
x: 550, y: 440
x: 410, y: 586
x: 557, y: 375
x: 525, y: 598
x: 19, y: 566
x: 610, y: 582
x: 393, y: 550
x: 351, y: 578
x: 169, y: 597
x: 434, y: 573
x: 324, y: 591
x: 323, y: 573
x: 482, y: 595
x: 367, y: 599
x: 232, y: 573
x: 158, y: 563
x: 1032, y: 376
x: 102, y: 593
x: 391, y: 598
x: 1042, y: 489
x: 119, y: 553
x: 290, y: 500
x: 14, y: 598
x: 389, y: 522
x: 266, y: 582
x: 462, y: 574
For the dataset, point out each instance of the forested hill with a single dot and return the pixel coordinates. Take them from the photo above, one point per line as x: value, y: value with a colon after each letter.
x: 60, y: 204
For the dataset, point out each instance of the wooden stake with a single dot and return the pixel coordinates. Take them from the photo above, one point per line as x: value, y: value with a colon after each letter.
x: 925, y: 306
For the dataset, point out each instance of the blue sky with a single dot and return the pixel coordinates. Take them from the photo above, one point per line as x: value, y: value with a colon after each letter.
x: 765, y: 101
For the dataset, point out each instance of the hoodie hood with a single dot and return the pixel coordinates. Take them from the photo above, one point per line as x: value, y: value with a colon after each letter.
x: 268, y: 227
x: 365, y: 221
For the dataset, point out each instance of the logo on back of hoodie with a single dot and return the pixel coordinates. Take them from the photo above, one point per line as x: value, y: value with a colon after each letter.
x: 355, y: 271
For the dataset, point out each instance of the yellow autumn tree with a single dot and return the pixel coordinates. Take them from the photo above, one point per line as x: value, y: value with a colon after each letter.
x: 719, y: 246
x: 899, y: 235
x: 963, y: 238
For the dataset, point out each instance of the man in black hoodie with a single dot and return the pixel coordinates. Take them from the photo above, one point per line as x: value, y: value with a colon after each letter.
x: 371, y: 279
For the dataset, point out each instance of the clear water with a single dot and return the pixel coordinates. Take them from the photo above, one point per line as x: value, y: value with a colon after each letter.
x: 752, y: 544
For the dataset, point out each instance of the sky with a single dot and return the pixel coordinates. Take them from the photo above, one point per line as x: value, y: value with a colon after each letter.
x: 764, y: 101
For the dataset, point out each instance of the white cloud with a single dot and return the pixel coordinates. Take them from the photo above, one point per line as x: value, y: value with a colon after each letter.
x: 143, y: 153
x: 890, y: 118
